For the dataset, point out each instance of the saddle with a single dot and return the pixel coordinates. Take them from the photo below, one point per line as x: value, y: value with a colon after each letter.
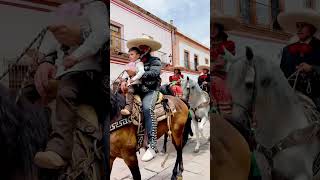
x: 163, y: 108
x: 86, y: 156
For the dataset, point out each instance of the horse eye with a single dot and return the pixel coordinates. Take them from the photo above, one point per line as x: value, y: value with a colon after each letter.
x: 192, y: 87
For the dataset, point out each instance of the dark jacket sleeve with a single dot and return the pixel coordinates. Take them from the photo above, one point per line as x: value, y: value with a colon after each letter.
x: 155, y: 69
x: 283, y: 63
x: 199, y: 81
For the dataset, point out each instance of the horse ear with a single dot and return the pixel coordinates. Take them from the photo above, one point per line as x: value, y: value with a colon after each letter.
x: 249, y: 53
x: 188, y: 78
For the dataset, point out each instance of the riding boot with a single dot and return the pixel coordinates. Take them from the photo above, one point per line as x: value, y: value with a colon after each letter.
x: 129, y: 102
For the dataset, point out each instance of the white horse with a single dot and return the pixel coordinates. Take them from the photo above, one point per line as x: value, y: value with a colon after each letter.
x: 282, y: 125
x: 199, y: 102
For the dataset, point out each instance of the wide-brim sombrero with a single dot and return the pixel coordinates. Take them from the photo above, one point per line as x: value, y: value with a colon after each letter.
x: 179, y: 67
x: 229, y: 22
x: 287, y: 20
x: 202, y: 67
x: 145, y: 40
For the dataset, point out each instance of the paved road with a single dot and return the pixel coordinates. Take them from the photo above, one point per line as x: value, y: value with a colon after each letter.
x: 196, y: 165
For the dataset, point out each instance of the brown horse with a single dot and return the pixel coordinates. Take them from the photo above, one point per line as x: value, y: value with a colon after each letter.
x: 230, y: 151
x: 123, y: 140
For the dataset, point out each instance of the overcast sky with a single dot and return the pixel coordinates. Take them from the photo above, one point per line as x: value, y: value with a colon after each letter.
x: 191, y: 17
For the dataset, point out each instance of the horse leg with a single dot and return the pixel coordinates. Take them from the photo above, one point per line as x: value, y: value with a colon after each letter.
x: 175, y: 169
x: 179, y: 156
x: 201, y: 126
x: 196, y: 128
x: 164, y: 147
x: 132, y: 162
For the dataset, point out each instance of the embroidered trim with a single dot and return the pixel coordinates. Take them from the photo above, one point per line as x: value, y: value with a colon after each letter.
x: 116, y: 125
x: 153, y: 140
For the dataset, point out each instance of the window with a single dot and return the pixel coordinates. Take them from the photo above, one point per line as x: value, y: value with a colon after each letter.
x: 317, y: 5
x: 217, y: 5
x: 115, y: 33
x: 263, y: 12
x: 17, y: 73
x: 294, y: 4
x: 275, y: 10
x: 230, y: 7
x: 245, y: 10
x: 195, y: 62
x: 206, y: 60
x: 186, y: 59
x: 309, y: 3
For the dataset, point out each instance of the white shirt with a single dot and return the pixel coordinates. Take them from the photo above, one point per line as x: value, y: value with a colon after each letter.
x: 94, y: 24
x: 139, y: 72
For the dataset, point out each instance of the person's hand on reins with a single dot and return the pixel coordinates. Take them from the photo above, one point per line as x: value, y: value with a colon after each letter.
x: 44, y: 72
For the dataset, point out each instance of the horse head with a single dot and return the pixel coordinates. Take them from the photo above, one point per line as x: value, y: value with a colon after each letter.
x: 190, y: 88
x: 241, y: 83
x: 256, y: 82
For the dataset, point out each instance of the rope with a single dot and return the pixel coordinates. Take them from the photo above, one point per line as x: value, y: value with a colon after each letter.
x: 296, y: 74
x: 32, y: 66
x: 120, y: 75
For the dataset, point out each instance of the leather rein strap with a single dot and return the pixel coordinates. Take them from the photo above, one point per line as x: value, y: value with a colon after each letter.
x: 300, y: 136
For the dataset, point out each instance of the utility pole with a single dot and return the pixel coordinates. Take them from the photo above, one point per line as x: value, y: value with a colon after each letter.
x: 172, y: 41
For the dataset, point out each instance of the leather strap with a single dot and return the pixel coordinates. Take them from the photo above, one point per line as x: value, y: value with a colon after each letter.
x: 300, y: 136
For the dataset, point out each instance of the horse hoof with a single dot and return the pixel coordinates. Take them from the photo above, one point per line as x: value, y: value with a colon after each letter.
x: 179, y: 178
x: 173, y: 178
x: 196, y: 151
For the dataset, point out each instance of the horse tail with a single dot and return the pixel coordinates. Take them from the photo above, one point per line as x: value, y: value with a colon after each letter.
x: 187, y: 130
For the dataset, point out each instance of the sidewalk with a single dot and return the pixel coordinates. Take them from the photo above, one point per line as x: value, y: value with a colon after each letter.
x: 196, y: 165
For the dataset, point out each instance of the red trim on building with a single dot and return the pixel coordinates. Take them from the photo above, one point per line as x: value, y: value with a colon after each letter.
x: 137, y: 14
x: 43, y: 2
x: 24, y: 6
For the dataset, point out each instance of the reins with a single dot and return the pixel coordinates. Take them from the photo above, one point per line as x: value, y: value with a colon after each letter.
x: 31, y: 67
x: 294, y: 77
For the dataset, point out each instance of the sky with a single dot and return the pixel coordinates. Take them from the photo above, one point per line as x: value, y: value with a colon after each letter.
x: 191, y: 17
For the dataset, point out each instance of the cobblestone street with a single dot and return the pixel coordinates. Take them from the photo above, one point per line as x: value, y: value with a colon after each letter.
x: 196, y: 165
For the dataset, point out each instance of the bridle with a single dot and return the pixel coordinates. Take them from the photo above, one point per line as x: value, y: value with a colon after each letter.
x: 249, y: 111
x: 188, y: 97
x: 296, y: 137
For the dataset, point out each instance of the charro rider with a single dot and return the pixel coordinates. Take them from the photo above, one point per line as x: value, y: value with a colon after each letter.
x: 221, y: 49
x: 76, y: 66
x: 204, y: 78
x: 303, y: 55
x: 175, y: 81
x: 150, y: 84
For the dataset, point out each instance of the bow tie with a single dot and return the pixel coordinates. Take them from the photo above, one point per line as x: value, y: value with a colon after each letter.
x: 300, y: 48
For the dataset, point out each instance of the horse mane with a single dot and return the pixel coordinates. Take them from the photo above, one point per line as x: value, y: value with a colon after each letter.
x: 117, y: 102
x: 23, y: 132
